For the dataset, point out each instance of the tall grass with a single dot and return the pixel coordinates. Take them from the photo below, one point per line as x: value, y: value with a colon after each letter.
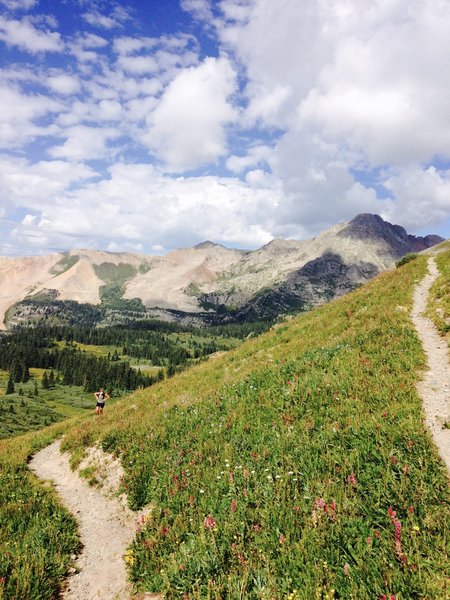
x: 37, y: 536
x: 296, y: 466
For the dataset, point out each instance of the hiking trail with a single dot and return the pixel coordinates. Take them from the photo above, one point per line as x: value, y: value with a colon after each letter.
x: 106, y: 526
x: 434, y: 389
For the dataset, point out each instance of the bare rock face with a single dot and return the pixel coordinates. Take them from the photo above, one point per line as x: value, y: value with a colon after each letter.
x: 205, y: 282
x: 372, y: 227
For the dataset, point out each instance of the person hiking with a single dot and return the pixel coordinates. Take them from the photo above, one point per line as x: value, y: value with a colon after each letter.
x: 101, y: 396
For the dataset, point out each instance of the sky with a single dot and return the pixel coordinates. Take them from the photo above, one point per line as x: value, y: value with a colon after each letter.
x: 149, y: 125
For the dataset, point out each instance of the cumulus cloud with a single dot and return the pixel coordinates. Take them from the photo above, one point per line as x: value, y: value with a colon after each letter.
x: 138, y: 206
x: 19, y: 116
x: 317, y: 110
x: 115, y: 18
x: 19, y: 4
x: 188, y: 127
x: 63, y: 84
x: 354, y: 86
x: 200, y: 9
x: 85, y: 143
x: 27, y: 37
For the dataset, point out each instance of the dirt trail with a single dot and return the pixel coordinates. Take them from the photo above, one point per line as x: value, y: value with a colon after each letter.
x: 434, y: 389
x: 106, y: 528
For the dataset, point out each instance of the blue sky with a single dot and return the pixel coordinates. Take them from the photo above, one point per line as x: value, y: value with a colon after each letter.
x: 148, y: 125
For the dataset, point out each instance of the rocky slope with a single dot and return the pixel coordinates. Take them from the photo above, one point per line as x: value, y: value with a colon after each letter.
x: 208, y: 279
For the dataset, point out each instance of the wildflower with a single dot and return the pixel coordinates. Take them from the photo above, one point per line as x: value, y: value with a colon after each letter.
x: 378, y: 535
x: 233, y: 505
x: 397, y: 533
x: 351, y: 479
x: 165, y: 531
x: 346, y: 568
x: 181, y: 567
x: 209, y: 522
x: 202, y: 491
x: 368, y: 540
x: 393, y: 460
x: 282, y: 538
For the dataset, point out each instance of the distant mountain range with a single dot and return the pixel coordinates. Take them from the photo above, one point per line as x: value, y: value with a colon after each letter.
x: 207, y: 283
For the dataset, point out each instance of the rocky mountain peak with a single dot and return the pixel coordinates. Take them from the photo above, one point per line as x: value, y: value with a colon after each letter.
x: 368, y: 227
x: 207, y: 244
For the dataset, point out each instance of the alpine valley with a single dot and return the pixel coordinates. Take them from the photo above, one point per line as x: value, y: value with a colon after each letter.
x: 206, y: 284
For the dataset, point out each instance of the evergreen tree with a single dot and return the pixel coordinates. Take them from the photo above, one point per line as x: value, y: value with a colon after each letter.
x: 10, y: 386
x: 51, y: 379
x: 45, y: 382
x: 25, y: 373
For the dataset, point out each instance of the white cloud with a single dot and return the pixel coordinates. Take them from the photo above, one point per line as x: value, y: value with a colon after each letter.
x: 116, y: 18
x: 137, y: 207
x: 138, y: 65
x: 200, y: 9
x: 64, y: 84
x: 25, y: 36
x: 424, y: 192
x: 85, y: 143
x: 187, y: 128
x: 18, y: 115
x: 19, y: 4
x: 254, y: 157
x: 354, y: 85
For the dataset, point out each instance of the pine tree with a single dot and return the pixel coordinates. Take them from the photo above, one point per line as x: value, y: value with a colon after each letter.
x: 45, y: 382
x: 10, y: 386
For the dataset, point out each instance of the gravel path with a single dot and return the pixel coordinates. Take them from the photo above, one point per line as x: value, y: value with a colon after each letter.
x: 105, y: 529
x: 434, y: 389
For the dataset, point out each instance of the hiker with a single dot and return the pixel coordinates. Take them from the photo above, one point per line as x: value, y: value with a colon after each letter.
x: 101, y: 396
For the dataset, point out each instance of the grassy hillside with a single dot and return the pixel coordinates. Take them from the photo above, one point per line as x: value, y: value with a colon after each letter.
x: 296, y: 466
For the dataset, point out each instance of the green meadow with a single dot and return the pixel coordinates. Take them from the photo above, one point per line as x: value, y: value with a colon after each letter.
x: 296, y: 466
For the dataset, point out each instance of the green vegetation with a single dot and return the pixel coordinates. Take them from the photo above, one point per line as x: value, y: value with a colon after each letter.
x: 295, y: 466
x: 37, y: 535
x: 66, y: 263
x: 31, y: 406
x: 439, y: 308
x: 406, y: 259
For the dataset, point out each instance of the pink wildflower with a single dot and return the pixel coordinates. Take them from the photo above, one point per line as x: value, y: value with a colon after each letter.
x: 233, y: 505
x: 209, y: 522
x: 397, y: 532
x: 351, y: 479
x: 282, y: 539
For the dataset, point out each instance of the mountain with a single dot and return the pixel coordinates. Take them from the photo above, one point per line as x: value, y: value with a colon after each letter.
x: 205, y: 282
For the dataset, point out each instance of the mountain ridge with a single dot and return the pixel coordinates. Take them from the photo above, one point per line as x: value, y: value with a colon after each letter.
x: 209, y: 279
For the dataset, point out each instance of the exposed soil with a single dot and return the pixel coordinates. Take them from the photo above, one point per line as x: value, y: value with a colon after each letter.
x: 434, y: 389
x: 107, y: 527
